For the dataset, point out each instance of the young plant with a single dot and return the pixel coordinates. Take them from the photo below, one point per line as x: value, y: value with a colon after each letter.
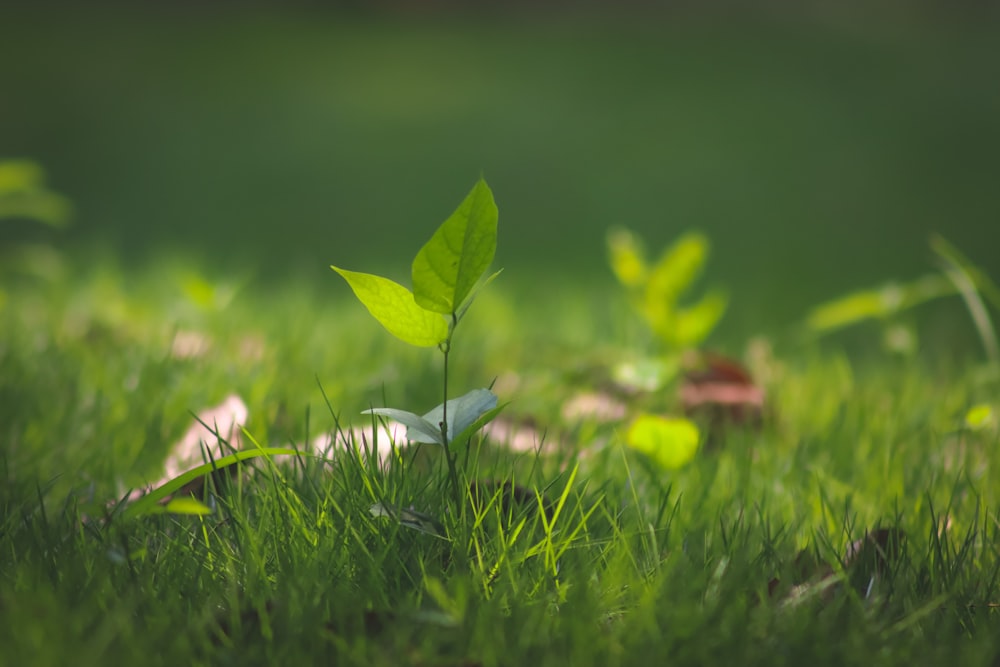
x: 655, y: 293
x: 446, y: 276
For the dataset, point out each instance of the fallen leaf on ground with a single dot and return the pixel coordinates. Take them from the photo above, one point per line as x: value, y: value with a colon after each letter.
x: 518, y: 437
x: 721, y: 390
x: 212, y: 427
x: 190, y: 345
x: 876, y: 550
x: 591, y: 406
x: 866, y: 561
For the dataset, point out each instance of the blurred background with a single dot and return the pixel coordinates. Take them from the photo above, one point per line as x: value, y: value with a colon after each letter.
x: 817, y: 145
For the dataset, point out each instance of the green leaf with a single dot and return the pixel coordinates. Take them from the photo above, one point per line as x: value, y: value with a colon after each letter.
x: 961, y: 273
x: 418, y: 429
x: 983, y: 282
x: 148, y: 504
x: 20, y: 176
x: 480, y: 422
x: 677, y: 269
x: 671, y: 442
x: 627, y: 259
x: 463, y: 412
x: 187, y: 505
x: 23, y: 195
x: 693, y: 324
x: 393, y: 306
x: 853, y: 308
x: 879, y: 303
x: 980, y: 417
x: 461, y: 249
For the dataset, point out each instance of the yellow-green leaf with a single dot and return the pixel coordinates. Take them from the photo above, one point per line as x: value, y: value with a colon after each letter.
x: 450, y: 263
x: 20, y: 176
x: 626, y: 257
x: 394, y: 307
x: 980, y: 417
x: 148, y: 504
x: 855, y: 307
x: 670, y: 441
x: 692, y: 325
x: 678, y: 267
x: 187, y: 505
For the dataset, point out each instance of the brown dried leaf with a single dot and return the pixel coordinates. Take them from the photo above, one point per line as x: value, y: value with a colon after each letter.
x: 806, y: 570
x: 722, y: 391
x: 221, y: 422
x: 866, y: 560
x: 877, y: 550
x: 517, y: 436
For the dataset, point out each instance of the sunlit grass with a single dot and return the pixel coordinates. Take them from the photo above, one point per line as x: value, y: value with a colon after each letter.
x: 579, y: 553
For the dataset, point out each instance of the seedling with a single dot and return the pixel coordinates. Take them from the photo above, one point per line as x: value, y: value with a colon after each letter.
x: 655, y: 292
x: 446, y: 275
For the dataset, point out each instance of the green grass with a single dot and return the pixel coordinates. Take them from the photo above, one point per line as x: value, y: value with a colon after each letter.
x: 631, y: 565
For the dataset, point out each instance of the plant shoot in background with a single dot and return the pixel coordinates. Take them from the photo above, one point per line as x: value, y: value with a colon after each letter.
x: 655, y: 292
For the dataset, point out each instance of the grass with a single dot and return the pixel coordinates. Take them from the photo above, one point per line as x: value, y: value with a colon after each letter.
x: 739, y: 557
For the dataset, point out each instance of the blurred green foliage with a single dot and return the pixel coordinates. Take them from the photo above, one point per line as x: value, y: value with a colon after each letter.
x: 816, y: 149
x: 23, y: 194
x: 656, y: 290
x: 886, y: 304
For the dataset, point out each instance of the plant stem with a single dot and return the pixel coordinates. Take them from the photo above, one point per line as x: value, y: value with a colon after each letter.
x: 449, y: 455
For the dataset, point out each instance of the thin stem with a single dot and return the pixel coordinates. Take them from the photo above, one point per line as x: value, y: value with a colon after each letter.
x: 449, y: 455
x: 444, y: 405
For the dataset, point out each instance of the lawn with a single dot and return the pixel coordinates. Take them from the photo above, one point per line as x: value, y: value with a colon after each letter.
x: 856, y: 522
x: 843, y: 510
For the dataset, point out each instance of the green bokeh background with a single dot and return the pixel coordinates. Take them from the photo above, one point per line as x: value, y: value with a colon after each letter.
x: 817, y: 149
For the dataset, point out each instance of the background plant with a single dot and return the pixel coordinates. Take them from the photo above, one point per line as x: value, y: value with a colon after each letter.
x: 24, y: 195
x: 656, y: 292
x: 958, y: 275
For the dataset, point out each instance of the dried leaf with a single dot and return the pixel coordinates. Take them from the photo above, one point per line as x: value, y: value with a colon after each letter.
x: 722, y: 391
x: 212, y: 425
x: 596, y: 407
x: 877, y: 550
